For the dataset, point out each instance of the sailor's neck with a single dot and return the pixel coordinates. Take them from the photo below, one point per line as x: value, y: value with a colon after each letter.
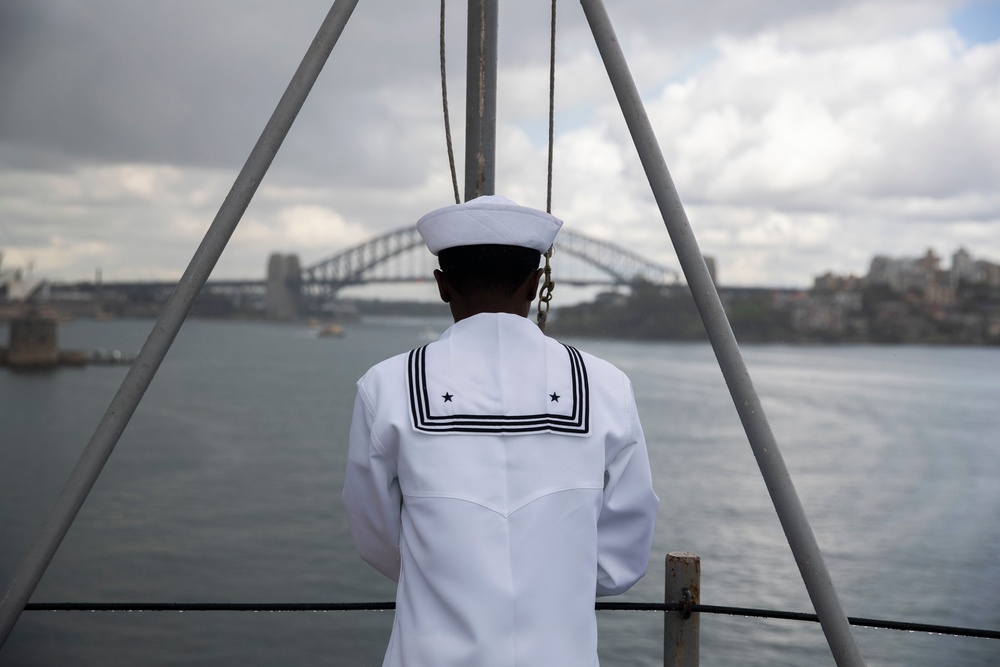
x: 459, y: 314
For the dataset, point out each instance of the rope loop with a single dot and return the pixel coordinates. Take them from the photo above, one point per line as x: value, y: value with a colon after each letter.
x: 545, y: 293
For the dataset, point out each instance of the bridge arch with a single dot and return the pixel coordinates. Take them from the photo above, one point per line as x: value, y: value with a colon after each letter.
x: 620, y: 264
x: 353, y: 266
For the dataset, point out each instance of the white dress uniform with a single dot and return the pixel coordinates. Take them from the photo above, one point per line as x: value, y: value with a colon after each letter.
x: 502, y: 479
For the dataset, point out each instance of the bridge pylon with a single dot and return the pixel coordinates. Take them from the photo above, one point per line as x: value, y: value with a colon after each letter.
x: 283, y: 295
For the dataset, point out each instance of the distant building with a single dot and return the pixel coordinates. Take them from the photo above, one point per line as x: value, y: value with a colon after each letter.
x: 918, y: 274
x: 939, y: 291
x: 964, y: 269
x: 905, y: 274
x: 836, y: 312
x: 830, y: 282
x: 923, y: 302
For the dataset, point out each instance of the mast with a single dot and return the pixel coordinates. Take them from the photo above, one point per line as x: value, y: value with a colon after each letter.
x: 481, y: 99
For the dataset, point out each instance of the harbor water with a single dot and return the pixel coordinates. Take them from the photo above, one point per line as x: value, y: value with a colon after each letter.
x: 226, y: 488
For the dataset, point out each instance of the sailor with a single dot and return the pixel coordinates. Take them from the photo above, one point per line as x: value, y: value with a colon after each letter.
x: 499, y: 476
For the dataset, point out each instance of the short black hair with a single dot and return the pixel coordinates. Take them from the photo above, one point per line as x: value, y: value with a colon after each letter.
x: 488, y: 268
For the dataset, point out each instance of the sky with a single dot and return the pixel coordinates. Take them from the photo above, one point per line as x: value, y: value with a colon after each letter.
x: 803, y: 136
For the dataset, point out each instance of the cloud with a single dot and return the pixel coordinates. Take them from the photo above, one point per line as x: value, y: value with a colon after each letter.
x: 188, y: 83
x: 802, y: 136
x: 902, y: 130
x: 315, y: 231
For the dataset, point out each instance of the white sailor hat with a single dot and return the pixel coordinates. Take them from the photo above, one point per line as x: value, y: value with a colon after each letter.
x: 492, y: 220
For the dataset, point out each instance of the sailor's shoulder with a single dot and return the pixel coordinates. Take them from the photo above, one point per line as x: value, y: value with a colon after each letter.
x: 386, y: 370
x: 595, y: 365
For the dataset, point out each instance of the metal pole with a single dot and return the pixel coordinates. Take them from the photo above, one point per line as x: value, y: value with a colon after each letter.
x: 123, y: 405
x: 681, y: 629
x: 481, y: 99
x: 772, y: 466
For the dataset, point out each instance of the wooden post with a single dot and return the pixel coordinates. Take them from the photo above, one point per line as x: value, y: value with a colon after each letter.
x: 681, y: 629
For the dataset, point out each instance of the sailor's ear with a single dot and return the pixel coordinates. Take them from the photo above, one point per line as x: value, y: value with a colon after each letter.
x: 444, y: 289
x: 532, y: 283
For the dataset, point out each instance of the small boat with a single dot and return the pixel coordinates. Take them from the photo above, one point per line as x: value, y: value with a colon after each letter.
x: 330, y: 330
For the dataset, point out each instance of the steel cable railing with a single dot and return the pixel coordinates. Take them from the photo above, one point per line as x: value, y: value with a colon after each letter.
x: 600, y: 606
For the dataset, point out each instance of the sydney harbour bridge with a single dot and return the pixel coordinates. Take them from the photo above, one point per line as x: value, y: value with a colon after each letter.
x: 398, y: 256
x: 360, y: 265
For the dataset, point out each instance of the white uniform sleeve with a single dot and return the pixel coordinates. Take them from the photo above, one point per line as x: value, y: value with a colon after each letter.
x: 625, y: 526
x: 371, y: 495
